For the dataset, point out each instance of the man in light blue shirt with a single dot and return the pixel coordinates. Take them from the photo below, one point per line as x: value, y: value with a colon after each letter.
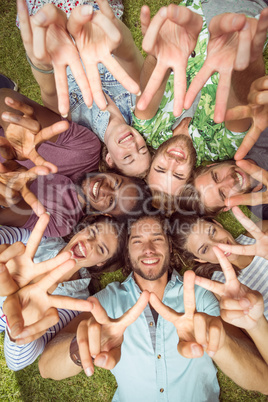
x: 141, y: 346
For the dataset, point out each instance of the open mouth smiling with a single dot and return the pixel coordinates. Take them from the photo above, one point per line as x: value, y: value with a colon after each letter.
x: 127, y: 137
x: 178, y: 153
x: 79, y: 250
x: 150, y: 261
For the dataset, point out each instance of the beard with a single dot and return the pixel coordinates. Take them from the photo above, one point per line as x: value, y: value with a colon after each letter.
x: 150, y: 275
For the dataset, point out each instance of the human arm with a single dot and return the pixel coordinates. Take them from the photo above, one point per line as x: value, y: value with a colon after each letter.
x: 235, y: 44
x: 256, y: 110
x: 98, y: 336
x: 170, y: 37
x: 252, y: 198
x: 199, y: 333
x: 259, y: 232
x: 240, y: 306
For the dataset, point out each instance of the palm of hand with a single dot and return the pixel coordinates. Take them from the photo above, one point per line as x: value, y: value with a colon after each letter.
x: 22, y: 140
x: 184, y: 325
x: 173, y: 43
x: 60, y: 46
x: 221, y: 52
x: 259, y: 114
x: 22, y: 269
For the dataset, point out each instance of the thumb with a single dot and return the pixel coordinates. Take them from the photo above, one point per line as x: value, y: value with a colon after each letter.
x: 108, y: 360
x: 190, y: 350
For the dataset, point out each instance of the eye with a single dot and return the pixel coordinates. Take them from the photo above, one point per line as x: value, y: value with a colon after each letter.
x: 111, y: 201
x: 222, y: 195
x: 116, y: 184
x: 143, y: 148
x: 92, y: 233
x: 158, y: 239
x: 204, y: 250
x: 128, y: 156
x: 136, y: 242
x: 101, y: 250
x: 215, y: 177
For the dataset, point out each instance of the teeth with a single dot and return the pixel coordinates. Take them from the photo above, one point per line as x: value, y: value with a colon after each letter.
x: 94, y: 190
x: 178, y: 153
x: 154, y: 261
x: 81, y: 249
x: 240, y: 178
x: 126, y: 139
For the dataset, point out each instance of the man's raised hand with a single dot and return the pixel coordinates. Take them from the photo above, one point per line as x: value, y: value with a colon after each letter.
x: 170, y: 37
x: 198, y: 332
x: 256, y: 110
x: 240, y: 306
x: 101, y: 337
x: 234, y: 42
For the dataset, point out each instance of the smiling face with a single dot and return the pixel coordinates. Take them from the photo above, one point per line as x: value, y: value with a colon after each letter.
x: 204, y: 236
x: 93, y: 245
x: 172, y: 165
x: 127, y: 150
x: 221, y: 181
x: 110, y: 193
x: 148, y: 249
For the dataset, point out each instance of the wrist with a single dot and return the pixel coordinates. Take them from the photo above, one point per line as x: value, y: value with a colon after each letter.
x: 261, y: 325
x: 40, y: 70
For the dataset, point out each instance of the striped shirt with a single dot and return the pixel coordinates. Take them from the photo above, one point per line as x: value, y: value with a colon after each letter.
x: 255, y: 275
x: 9, y: 235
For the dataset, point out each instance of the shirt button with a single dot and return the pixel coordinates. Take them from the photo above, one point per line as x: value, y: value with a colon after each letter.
x: 193, y: 54
x: 159, y: 357
x: 161, y: 390
x: 151, y: 324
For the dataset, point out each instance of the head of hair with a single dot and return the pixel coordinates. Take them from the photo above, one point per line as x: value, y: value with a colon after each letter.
x: 143, y: 200
x: 181, y: 226
x: 116, y: 260
x: 162, y: 220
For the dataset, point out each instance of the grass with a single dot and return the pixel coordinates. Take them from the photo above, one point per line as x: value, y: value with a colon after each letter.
x: 27, y: 385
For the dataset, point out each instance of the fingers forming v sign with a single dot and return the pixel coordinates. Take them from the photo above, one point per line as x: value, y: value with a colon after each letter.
x: 253, y: 198
x: 48, y: 44
x: 240, y: 306
x: 32, y: 310
x: 259, y: 248
x: 15, y: 180
x: 257, y: 110
x: 24, y: 134
x: 170, y: 37
x: 97, y: 35
x: 22, y: 268
x: 101, y: 337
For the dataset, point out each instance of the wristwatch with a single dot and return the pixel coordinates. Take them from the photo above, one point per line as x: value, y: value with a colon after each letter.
x: 74, y: 352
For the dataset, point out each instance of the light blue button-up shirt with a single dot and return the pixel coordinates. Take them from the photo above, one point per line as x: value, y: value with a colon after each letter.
x: 151, y: 369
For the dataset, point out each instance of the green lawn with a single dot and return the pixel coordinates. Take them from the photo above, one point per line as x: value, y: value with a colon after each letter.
x: 27, y: 385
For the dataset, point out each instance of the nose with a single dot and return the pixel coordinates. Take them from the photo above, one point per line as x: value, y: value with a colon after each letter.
x: 148, y: 248
x: 229, y: 181
x: 105, y: 190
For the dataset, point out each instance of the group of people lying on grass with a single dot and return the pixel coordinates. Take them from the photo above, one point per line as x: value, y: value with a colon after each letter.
x: 151, y: 208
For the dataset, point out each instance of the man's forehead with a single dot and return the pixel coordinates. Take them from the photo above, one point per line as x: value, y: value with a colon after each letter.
x: 146, y: 226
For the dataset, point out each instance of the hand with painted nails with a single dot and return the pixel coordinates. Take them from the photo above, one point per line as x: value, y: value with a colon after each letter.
x: 170, y: 37
x: 31, y: 310
x: 260, y: 248
x: 24, y: 134
x: 21, y: 266
x: 240, y: 306
x: 260, y: 176
x: 235, y: 42
x: 101, y: 337
x: 256, y: 110
x: 14, y: 185
x: 48, y: 44
x: 198, y: 332
x: 97, y: 35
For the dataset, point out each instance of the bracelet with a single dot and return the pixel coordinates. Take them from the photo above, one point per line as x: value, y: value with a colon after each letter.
x: 39, y: 69
x: 74, y: 352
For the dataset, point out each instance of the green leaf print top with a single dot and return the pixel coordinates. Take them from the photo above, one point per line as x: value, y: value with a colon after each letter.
x: 211, y: 141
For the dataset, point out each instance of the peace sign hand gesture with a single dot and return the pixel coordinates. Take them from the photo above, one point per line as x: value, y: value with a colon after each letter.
x: 22, y: 268
x: 170, y: 37
x: 31, y: 310
x: 24, y: 134
x: 198, y: 332
x: 259, y: 248
x: 240, y: 306
x: 101, y: 337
